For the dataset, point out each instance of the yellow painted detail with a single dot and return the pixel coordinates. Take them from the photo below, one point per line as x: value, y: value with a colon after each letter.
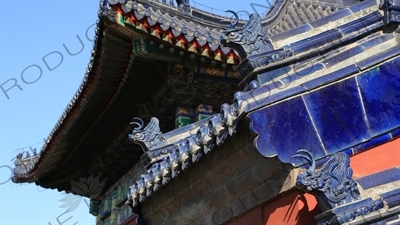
x: 129, y: 21
x: 192, y: 48
x: 120, y: 19
x: 155, y: 33
x: 204, y: 52
x: 180, y: 43
x: 230, y: 60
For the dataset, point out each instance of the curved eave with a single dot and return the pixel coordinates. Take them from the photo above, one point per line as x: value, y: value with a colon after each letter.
x: 95, y: 123
x: 97, y: 90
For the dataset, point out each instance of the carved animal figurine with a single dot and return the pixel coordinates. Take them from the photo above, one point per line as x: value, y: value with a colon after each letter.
x: 183, y: 5
x: 332, y: 184
x: 248, y: 40
x: 148, y: 138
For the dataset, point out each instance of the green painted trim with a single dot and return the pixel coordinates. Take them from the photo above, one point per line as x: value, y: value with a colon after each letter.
x: 143, y: 48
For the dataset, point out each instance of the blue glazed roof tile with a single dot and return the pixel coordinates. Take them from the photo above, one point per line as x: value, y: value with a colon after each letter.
x: 331, y: 77
x: 362, y: 23
x: 332, y: 17
x: 381, y: 98
x: 377, y: 58
x: 339, y: 118
x: 280, y: 123
x: 372, y: 143
x: 332, y: 61
x: 362, y: 5
x: 380, y: 178
x: 289, y: 108
x: 307, y: 105
x: 295, y: 31
x: 376, y: 39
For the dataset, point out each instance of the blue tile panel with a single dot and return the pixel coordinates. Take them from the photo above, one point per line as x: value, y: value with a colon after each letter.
x: 351, y: 115
x: 380, y: 178
x: 338, y: 115
x: 283, y: 129
x: 392, y: 198
x: 381, y: 96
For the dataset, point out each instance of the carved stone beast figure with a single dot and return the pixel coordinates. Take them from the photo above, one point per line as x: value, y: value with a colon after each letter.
x: 248, y: 40
x: 148, y: 138
x: 332, y: 184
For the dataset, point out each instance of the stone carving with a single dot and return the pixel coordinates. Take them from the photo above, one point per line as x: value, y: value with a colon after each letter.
x: 148, y: 138
x: 248, y: 40
x: 332, y: 184
x: 25, y: 164
x: 184, y: 5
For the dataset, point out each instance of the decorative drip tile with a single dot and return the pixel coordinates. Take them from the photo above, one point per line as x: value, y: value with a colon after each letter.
x: 283, y: 129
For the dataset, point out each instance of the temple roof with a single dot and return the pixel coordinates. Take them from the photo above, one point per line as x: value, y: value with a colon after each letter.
x: 90, y: 136
x: 307, y: 92
x: 200, y: 31
x: 139, y: 59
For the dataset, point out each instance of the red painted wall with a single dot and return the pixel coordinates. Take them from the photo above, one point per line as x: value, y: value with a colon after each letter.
x: 377, y: 159
x: 295, y: 208
x: 292, y: 208
x: 130, y: 221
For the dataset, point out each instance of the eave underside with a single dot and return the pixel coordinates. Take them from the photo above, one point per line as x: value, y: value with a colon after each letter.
x: 119, y: 85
